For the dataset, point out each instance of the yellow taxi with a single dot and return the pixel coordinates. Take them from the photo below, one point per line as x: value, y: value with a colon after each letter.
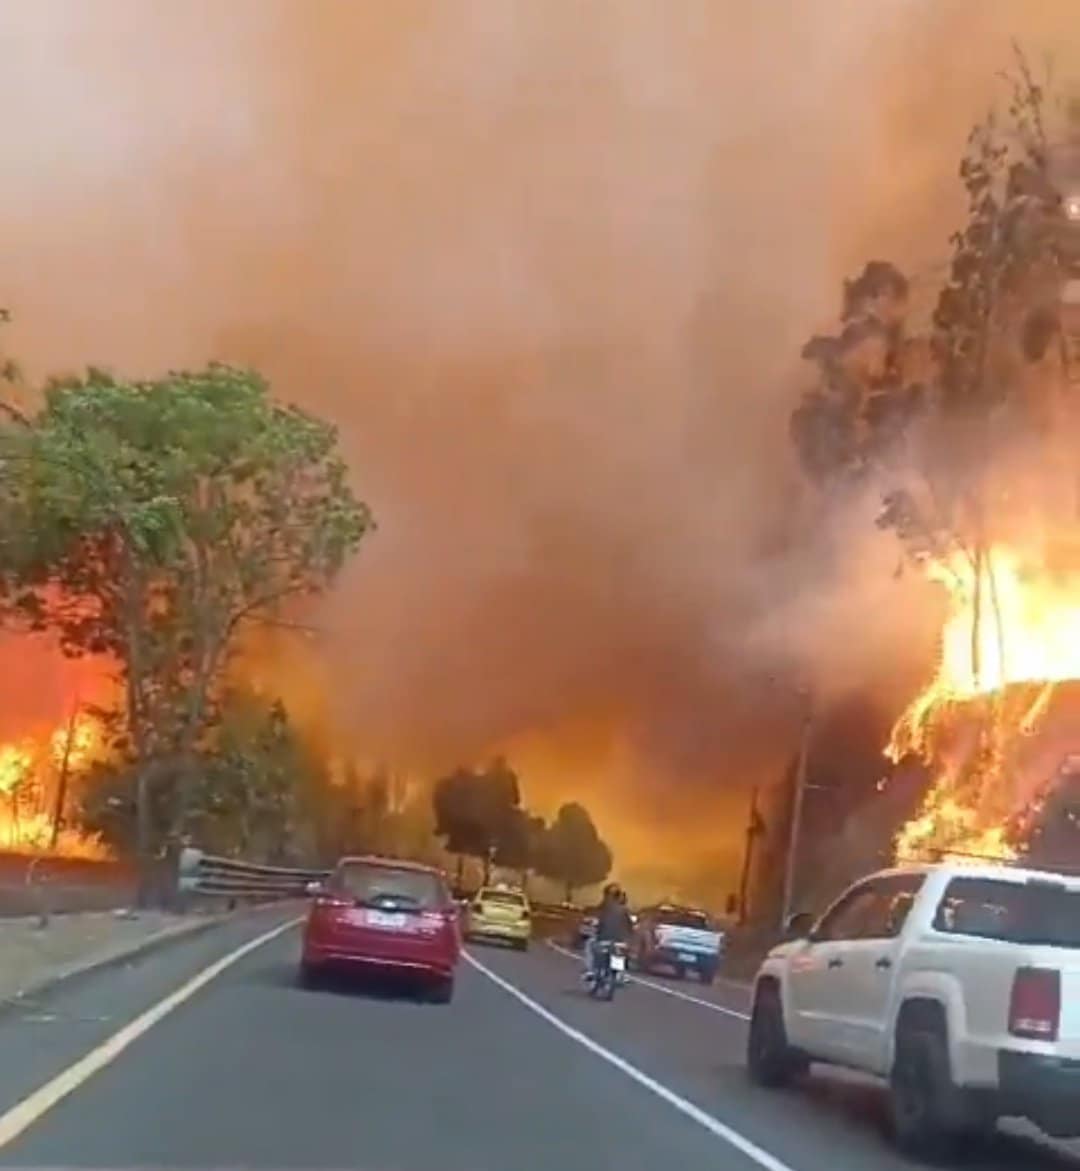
x: 502, y: 913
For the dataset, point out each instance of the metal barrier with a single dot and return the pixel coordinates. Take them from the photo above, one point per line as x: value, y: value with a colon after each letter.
x: 207, y: 876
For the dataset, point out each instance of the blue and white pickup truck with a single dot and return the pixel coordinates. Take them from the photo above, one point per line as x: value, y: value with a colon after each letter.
x: 679, y: 939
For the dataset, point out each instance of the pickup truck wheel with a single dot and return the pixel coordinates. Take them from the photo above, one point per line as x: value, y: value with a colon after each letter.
x: 924, y: 1101
x: 770, y: 1061
x: 706, y: 975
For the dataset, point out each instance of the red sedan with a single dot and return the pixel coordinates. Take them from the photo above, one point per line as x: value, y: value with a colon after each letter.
x: 379, y: 914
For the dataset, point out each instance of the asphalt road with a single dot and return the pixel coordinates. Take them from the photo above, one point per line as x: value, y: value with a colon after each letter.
x: 522, y: 1071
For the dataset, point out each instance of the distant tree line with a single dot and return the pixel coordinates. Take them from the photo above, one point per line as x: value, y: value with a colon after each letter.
x: 479, y: 815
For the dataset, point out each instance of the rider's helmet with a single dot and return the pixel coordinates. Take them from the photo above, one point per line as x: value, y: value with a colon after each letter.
x: 611, y: 891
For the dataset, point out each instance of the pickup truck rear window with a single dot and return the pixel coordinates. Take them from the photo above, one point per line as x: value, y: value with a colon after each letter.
x: 1033, y: 913
x: 670, y: 917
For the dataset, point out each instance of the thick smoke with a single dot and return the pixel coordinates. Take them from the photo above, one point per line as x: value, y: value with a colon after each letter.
x: 549, y: 266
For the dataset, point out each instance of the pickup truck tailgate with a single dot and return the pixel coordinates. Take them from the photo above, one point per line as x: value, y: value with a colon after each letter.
x: 691, y: 940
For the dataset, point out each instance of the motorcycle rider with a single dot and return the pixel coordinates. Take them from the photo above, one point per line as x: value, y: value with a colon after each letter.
x: 613, y: 924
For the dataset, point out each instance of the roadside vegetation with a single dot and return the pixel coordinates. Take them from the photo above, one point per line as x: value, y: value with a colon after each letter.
x: 165, y: 525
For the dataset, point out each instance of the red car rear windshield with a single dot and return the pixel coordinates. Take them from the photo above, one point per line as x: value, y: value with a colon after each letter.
x: 419, y: 889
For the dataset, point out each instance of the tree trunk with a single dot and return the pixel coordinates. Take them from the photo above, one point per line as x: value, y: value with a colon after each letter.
x: 62, y: 781
x: 137, y: 730
x: 145, y: 894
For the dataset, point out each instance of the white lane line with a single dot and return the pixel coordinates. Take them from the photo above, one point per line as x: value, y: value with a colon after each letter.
x: 709, y: 1004
x: 685, y: 1107
x: 25, y: 1113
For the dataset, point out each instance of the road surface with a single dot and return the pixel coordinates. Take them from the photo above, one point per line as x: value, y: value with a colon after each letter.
x: 241, y: 1068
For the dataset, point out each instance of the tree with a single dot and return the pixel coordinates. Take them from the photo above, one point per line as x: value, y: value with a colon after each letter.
x: 927, y: 417
x: 249, y: 781
x: 969, y: 430
x: 478, y: 814
x: 255, y: 774
x: 163, y: 516
x: 520, y: 843
x: 572, y: 851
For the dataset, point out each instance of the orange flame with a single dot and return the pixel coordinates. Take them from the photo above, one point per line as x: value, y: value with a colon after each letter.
x: 1012, y: 632
x: 30, y: 774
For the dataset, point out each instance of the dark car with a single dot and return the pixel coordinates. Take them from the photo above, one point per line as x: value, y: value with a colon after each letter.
x: 383, y: 915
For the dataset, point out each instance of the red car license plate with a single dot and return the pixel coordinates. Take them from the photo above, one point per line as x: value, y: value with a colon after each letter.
x: 386, y: 920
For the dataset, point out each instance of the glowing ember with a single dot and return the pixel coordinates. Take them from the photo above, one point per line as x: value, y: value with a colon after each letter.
x: 1012, y: 632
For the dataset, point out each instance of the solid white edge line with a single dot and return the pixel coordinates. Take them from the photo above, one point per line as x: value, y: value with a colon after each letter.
x: 24, y: 1114
x: 685, y: 1107
x: 720, y: 1008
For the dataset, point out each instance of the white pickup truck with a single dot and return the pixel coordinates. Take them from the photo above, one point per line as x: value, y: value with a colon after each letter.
x: 959, y: 985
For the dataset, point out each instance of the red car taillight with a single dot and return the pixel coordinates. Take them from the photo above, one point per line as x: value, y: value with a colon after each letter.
x: 1035, y: 1004
x: 331, y: 902
x: 437, y: 920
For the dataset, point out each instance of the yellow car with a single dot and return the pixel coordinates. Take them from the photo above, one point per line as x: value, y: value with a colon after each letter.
x: 497, y: 912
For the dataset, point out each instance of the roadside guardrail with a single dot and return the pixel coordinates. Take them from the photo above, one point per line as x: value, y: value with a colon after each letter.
x: 234, y: 880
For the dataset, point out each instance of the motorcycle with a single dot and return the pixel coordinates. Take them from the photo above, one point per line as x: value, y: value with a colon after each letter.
x: 608, y: 970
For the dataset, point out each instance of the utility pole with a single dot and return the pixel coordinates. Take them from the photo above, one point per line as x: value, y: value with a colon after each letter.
x: 754, y: 827
x: 790, y: 863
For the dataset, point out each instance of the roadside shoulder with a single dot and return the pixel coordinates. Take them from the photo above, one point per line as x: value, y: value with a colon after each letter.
x: 36, y: 959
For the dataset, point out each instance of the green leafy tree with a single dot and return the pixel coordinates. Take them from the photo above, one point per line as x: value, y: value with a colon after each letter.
x: 572, y: 852
x: 163, y: 516
x: 249, y: 782
x: 254, y: 775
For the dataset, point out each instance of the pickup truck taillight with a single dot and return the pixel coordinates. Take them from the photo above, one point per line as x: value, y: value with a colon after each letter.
x: 1035, y: 1004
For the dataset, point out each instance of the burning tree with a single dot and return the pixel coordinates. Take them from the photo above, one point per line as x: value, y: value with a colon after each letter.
x: 969, y: 431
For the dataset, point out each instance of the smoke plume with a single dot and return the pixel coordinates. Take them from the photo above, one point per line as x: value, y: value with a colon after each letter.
x: 549, y: 267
